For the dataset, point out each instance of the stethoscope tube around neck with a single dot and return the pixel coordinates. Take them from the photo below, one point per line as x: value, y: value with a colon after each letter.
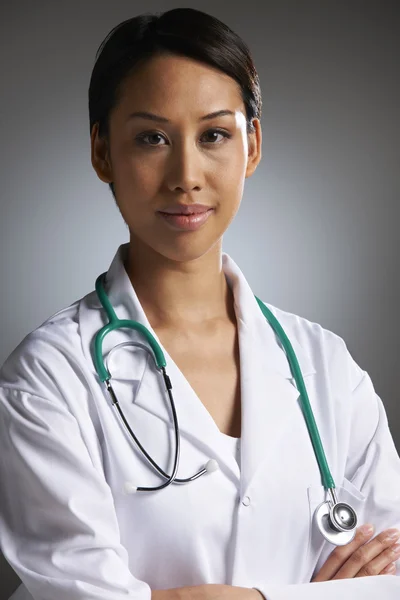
x: 116, y: 323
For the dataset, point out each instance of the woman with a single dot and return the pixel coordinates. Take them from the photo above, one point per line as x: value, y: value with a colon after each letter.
x: 175, y: 108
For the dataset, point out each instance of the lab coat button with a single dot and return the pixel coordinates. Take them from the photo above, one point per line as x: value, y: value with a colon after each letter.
x: 246, y: 501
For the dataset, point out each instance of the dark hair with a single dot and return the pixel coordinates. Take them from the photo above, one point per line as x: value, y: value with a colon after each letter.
x: 181, y: 31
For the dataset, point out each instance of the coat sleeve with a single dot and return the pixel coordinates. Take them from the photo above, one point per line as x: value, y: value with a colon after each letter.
x: 373, y: 466
x: 58, y: 527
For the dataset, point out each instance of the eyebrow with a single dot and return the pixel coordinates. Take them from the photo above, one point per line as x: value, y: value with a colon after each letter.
x: 152, y: 117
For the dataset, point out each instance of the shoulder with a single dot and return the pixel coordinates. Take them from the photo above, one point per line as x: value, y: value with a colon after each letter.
x: 308, y: 333
x: 338, y: 387
x: 327, y: 351
x: 52, y: 350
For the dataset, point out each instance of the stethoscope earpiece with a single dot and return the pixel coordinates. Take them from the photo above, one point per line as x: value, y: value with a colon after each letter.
x: 129, y: 487
x: 211, y: 466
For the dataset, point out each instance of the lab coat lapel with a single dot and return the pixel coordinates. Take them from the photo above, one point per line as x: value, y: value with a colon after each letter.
x: 269, y: 396
x: 270, y: 402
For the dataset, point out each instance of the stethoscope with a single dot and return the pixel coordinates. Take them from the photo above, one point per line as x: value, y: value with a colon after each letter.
x: 337, y: 521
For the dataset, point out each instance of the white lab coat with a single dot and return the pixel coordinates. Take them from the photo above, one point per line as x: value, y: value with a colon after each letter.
x: 70, y: 530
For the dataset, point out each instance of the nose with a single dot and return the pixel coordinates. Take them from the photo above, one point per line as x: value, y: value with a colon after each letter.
x: 185, y: 167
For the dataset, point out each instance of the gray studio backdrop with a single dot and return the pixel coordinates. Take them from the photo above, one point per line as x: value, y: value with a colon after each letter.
x: 318, y: 230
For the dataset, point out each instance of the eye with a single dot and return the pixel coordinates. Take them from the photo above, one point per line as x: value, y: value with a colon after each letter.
x: 225, y: 134
x: 143, y: 136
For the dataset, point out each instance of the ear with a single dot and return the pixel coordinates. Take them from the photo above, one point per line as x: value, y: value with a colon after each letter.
x: 254, y: 148
x: 100, y: 155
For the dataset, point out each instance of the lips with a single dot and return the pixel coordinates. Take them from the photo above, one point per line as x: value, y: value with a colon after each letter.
x: 185, y: 209
x: 186, y: 222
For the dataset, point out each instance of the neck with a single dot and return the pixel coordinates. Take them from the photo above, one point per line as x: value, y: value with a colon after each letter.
x: 179, y: 294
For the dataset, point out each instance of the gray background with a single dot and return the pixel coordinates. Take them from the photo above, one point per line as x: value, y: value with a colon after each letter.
x: 317, y: 233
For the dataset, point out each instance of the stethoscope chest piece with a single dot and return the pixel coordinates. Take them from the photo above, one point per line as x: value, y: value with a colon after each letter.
x: 337, y: 522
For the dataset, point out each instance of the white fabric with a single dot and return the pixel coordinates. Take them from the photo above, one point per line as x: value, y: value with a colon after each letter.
x: 233, y: 445
x: 71, y: 532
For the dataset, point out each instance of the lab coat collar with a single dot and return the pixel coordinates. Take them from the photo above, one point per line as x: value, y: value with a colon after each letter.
x: 269, y: 395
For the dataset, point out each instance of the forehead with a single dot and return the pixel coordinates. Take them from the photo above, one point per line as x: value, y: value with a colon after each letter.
x: 175, y: 83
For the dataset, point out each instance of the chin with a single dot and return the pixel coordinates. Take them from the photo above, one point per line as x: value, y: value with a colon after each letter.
x: 186, y: 254
x: 177, y: 247
x: 186, y: 249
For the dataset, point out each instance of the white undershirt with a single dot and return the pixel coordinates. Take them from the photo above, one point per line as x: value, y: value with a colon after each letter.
x: 233, y: 445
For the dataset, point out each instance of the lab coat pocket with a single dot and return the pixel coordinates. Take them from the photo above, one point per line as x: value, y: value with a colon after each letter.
x: 349, y: 489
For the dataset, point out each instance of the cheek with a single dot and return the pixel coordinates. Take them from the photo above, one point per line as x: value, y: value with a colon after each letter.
x: 136, y: 184
x: 231, y: 170
x: 226, y: 169
x: 229, y: 181
x: 141, y: 171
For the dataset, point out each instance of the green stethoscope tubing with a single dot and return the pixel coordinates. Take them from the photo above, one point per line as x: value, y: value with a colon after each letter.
x: 327, y: 479
x: 116, y: 323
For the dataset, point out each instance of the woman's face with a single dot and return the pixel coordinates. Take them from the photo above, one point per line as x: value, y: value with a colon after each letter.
x: 182, y: 157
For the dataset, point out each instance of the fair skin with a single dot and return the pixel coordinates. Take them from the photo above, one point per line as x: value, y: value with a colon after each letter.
x: 178, y: 275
